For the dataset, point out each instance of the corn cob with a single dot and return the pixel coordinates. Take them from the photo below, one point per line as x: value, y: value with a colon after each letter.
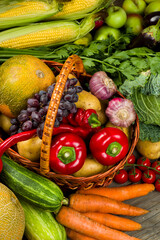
x: 22, y: 13
x: 77, y: 9
x: 46, y: 33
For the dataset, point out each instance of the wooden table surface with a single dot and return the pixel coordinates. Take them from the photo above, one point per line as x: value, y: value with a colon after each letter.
x: 150, y: 221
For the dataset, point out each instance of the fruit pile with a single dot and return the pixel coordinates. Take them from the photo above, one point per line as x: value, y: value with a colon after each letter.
x: 92, y: 129
x: 134, y: 17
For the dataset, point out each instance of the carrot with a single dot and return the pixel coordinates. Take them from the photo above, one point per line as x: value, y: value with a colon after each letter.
x: 76, y: 236
x: 76, y: 221
x: 95, y: 203
x: 121, y: 193
x: 113, y: 221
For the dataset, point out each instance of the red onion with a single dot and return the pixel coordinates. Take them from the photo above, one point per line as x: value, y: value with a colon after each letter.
x: 121, y: 112
x: 102, y: 86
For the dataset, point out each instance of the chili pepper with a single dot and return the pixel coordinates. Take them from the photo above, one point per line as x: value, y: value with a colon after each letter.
x: 109, y: 145
x: 68, y: 153
x: 9, y: 142
x: 84, y: 118
x: 80, y: 131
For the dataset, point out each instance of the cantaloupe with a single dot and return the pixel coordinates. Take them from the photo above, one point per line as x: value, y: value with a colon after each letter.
x: 21, y: 77
x: 12, y: 218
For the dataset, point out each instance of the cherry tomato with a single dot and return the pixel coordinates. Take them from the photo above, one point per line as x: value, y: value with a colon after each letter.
x: 157, y: 185
x: 131, y: 159
x: 134, y: 175
x: 145, y: 162
x: 156, y: 166
x: 121, y: 176
x: 148, y: 176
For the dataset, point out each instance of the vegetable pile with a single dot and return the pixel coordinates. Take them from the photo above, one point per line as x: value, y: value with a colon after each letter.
x: 77, y: 131
x: 92, y: 213
x: 119, y: 47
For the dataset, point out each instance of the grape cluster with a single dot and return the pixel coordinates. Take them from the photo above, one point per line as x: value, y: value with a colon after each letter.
x: 33, y: 117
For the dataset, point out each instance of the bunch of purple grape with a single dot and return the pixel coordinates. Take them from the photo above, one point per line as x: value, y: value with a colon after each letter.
x: 33, y: 117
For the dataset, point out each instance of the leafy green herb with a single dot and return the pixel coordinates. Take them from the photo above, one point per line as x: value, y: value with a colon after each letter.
x: 128, y: 86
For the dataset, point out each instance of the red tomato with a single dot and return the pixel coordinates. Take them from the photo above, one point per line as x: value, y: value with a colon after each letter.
x: 134, y: 175
x: 157, y: 185
x: 121, y: 176
x: 156, y: 166
x: 148, y: 176
x: 145, y: 162
x: 131, y: 159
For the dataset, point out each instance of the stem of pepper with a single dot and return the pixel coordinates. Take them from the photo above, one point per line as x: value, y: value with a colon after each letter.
x: 67, y: 154
x: 114, y: 149
x: 93, y: 121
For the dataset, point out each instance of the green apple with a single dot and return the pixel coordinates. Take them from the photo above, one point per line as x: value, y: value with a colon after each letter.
x: 105, y: 31
x: 152, y: 7
x: 134, y: 6
x: 116, y: 17
x: 134, y: 23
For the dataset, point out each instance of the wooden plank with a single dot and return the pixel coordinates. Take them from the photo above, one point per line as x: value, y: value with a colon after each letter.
x: 151, y: 221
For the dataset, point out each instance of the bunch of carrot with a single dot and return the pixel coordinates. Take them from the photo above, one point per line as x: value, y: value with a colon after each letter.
x: 92, y: 214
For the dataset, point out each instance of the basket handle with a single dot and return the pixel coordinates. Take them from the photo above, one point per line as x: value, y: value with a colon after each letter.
x: 74, y: 62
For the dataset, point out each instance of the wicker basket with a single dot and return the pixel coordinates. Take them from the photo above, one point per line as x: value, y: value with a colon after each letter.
x: 75, y: 66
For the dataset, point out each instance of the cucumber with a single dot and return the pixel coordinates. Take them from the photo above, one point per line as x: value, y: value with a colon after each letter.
x: 31, y: 186
x: 41, y: 224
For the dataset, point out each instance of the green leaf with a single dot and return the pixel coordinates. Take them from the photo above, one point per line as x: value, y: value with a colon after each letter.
x: 154, y: 64
x: 139, y: 63
x: 153, y: 85
x: 89, y: 62
x: 112, y: 61
x: 149, y: 132
x: 128, y: 86
x: 147, y: 107
x: 91, y: 50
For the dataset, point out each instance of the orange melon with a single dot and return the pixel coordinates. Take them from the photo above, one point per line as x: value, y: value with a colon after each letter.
x: 12, y: 218
x: 21, y: 77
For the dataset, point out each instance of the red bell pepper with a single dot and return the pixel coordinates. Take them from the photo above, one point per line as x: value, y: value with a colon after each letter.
x: 63, y: 128
x: 109, y: 145
x: 83, y: 118
x: 68, y: 153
